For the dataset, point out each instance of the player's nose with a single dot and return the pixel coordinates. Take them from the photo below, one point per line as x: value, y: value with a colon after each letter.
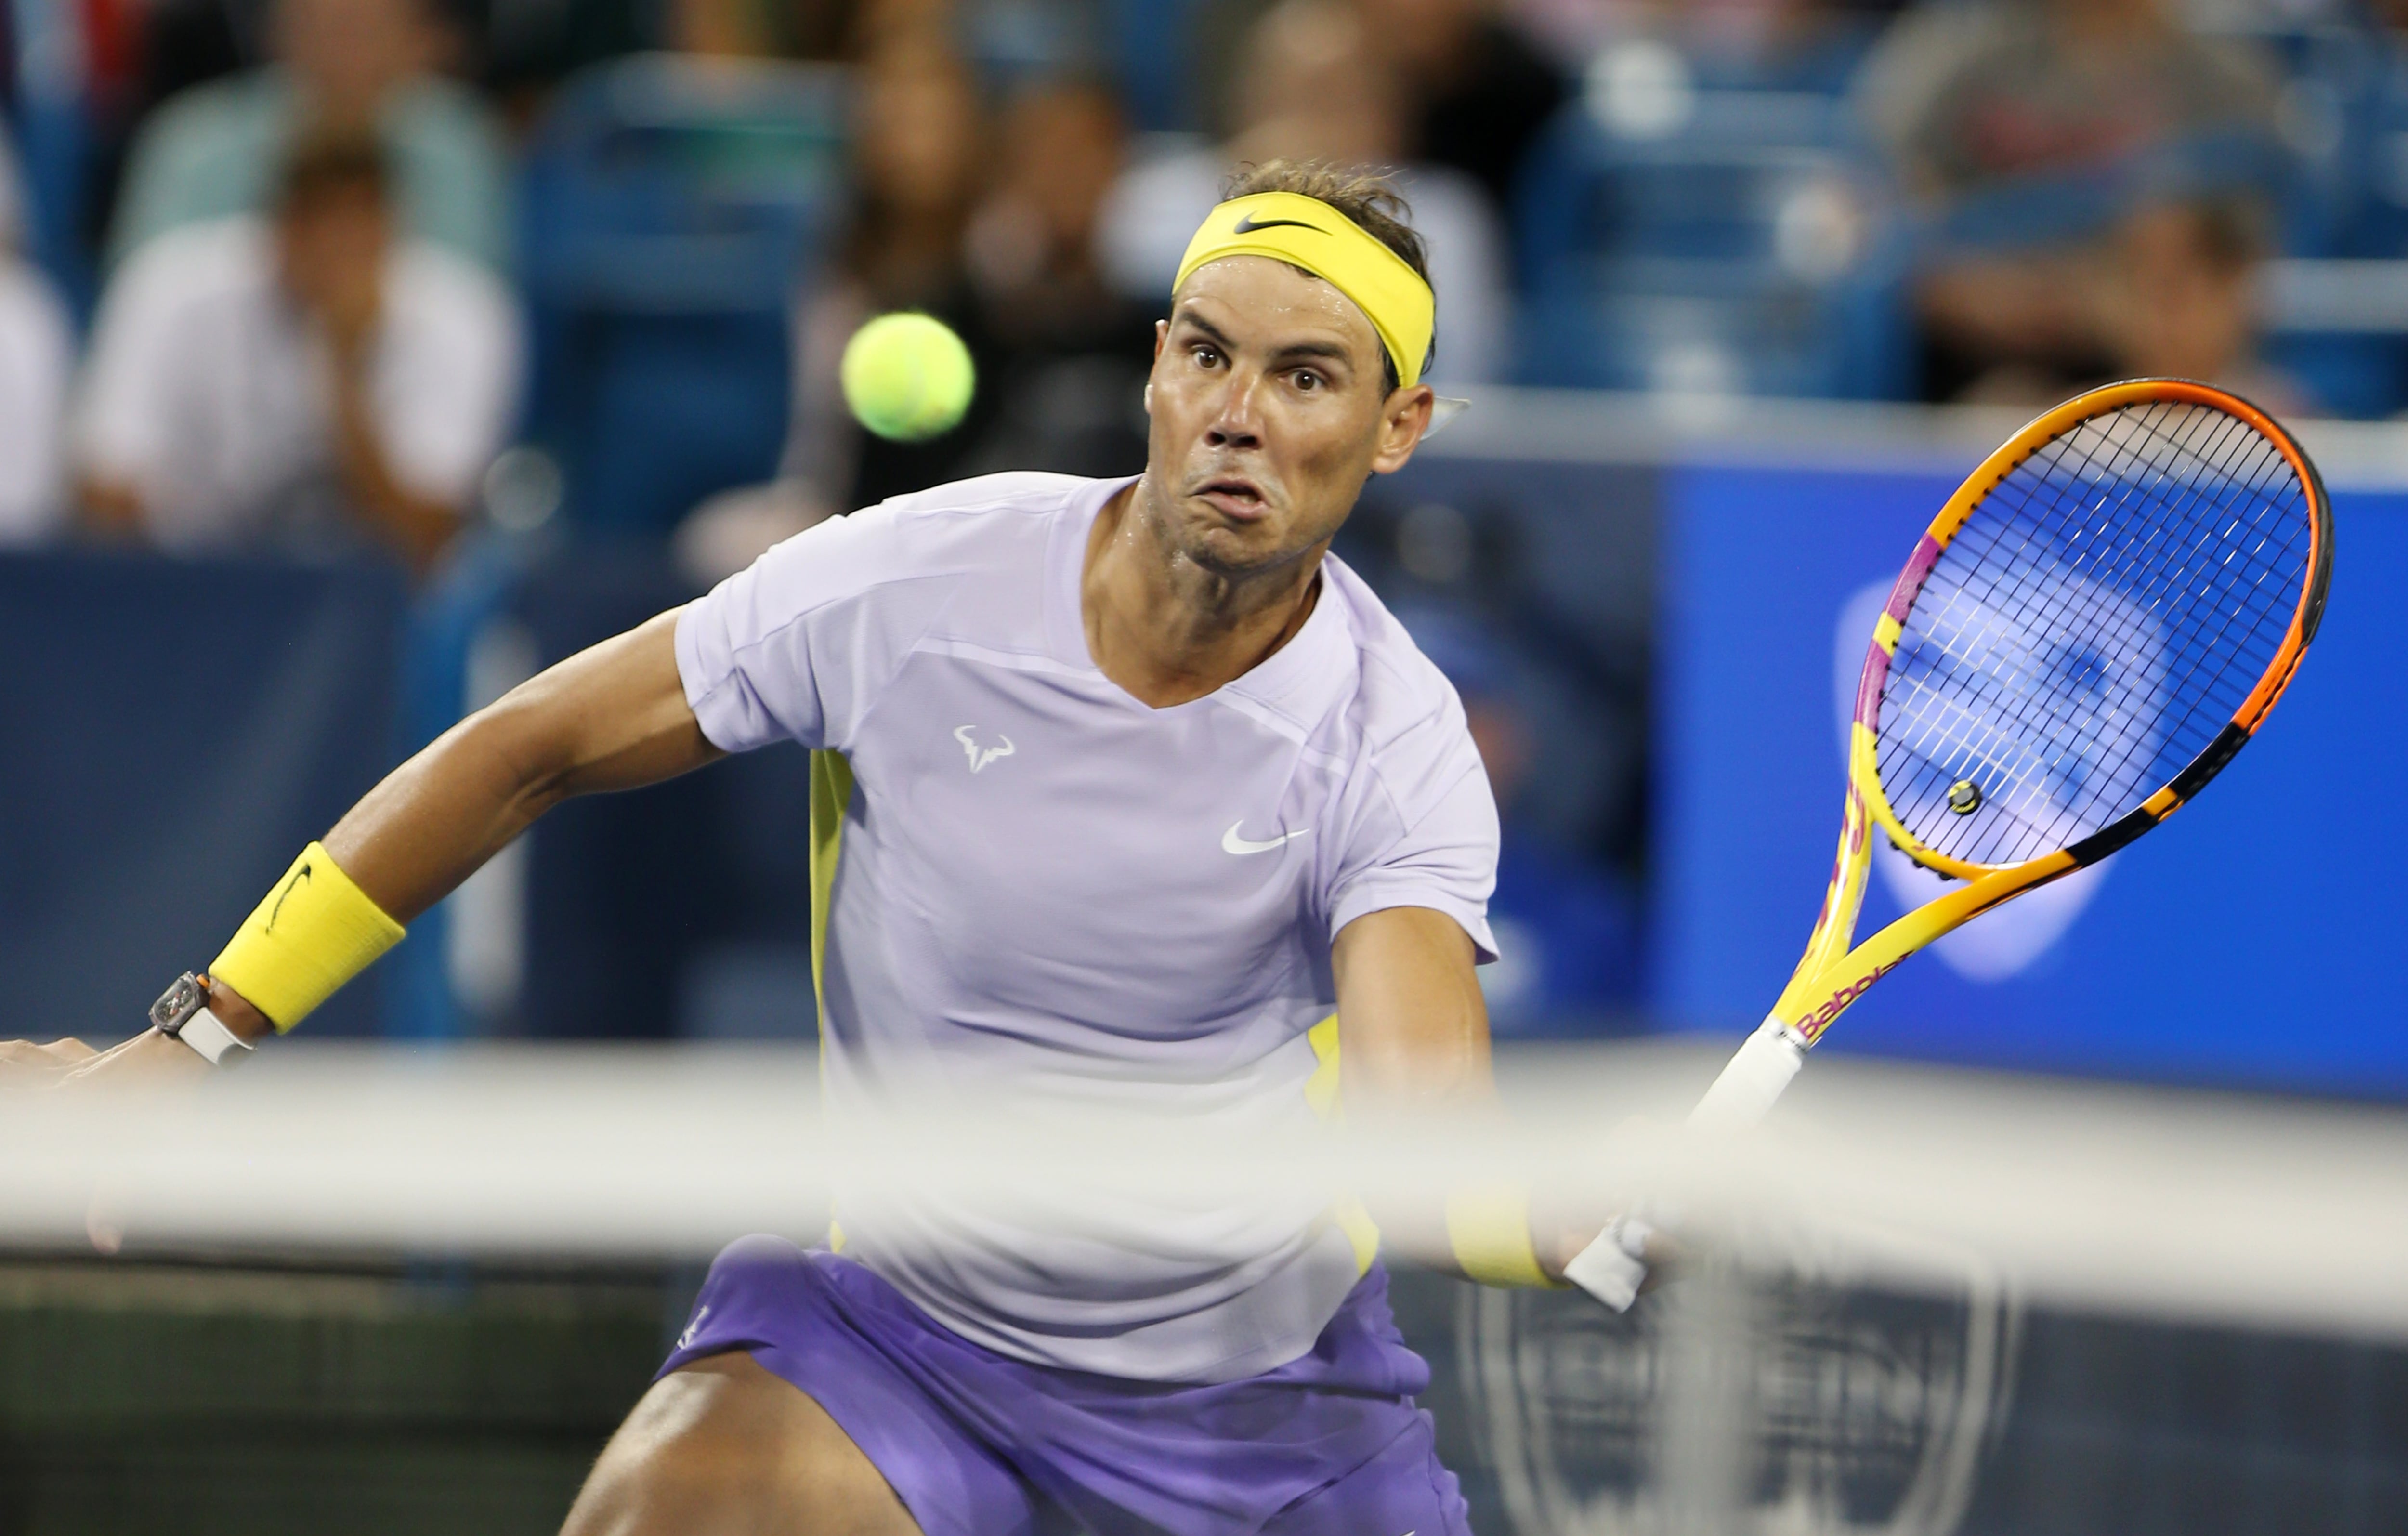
x: 1238, y: 422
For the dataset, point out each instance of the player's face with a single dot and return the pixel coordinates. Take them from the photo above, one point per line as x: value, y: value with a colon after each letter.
x: 1268, y: 408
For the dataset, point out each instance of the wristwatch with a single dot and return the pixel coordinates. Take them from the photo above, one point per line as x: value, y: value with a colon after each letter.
x: 183, y: 1012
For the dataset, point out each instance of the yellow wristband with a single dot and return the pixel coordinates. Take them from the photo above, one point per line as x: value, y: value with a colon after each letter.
x: 311, y: 933
x: 1488, y: 1227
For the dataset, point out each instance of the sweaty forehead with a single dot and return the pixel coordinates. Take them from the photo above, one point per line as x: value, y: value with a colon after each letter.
x: 1264, y: 302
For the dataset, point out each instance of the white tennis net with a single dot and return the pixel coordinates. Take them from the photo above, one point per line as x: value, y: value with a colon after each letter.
x: 2182, y: 1205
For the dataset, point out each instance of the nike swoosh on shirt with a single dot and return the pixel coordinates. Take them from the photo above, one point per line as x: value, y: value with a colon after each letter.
x: 1232, y: 843
x: 1249, y: 224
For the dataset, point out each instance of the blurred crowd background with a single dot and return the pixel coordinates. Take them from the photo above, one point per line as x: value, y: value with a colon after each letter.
x: 537, y: 305
x: 359, y: 357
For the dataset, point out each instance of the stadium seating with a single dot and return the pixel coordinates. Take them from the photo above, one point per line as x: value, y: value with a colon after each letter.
x: 671, y: 210
x: 1704, y: 240
x: 2346, y: 209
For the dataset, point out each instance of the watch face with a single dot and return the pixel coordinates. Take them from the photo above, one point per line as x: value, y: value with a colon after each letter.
x: 178, y: 1003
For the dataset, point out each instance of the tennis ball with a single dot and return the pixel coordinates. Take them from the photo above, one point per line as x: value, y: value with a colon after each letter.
x: 908, y: 377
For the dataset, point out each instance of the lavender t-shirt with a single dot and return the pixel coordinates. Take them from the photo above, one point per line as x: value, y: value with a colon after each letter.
x: 1038, y: 887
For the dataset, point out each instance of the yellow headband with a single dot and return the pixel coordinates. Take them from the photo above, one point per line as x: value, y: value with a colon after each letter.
x: 1308, y: 233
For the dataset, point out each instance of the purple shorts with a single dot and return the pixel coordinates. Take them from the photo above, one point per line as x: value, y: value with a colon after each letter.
x: 977, y: 1444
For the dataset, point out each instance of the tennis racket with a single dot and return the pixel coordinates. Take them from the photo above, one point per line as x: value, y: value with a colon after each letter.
x: 2094, y: 624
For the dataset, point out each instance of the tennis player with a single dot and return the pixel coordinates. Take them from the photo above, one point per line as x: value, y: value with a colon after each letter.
x: 1122, y: 789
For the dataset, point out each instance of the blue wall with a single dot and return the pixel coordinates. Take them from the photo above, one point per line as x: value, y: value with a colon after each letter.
x: 2256, y: 939
x: 176, y: 731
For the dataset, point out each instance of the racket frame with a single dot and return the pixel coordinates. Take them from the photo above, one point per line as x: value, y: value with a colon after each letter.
x: 1831, y: 976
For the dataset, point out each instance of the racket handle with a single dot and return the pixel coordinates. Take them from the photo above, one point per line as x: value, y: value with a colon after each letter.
x: 1754, y: 1079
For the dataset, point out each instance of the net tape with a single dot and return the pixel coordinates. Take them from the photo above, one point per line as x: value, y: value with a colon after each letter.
x: 2097, y: 622
x: 2179, y: 1204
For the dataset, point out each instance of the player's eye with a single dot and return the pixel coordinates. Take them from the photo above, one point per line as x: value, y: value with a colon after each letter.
x: 1206, y: 356
x: 1308, y: 381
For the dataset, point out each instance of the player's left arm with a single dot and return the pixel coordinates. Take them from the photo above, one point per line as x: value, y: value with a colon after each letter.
x: 1412, y: 1048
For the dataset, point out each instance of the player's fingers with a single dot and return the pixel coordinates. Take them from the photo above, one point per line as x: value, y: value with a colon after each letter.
x: 1664, y: 1258
x: 70, y: 1050
x: 58, y: 1054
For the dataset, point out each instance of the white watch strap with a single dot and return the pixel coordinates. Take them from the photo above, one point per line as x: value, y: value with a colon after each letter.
x: 204, y: 1033
x: 1614, y: 1267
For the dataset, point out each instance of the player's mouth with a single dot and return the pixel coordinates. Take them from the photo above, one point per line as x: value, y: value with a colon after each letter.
x: 1236, y: 497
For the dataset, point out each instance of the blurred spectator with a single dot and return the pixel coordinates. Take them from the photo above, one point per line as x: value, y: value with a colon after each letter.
x: 1062, y: 358
x: 36, y: 353
x: 298, y: 382
x: 918, y: 153
x: 824, y: 30
x: 1311, y: 88
x: 918, y: 138
x: 1567, y: 932
x: 2177, y: 298
x: 212, y: 151
x: 1476, y: 92
x: 2025, y: 128
x: 1070, y: 354
x: 1969, y: 93
x: 2169, y: 291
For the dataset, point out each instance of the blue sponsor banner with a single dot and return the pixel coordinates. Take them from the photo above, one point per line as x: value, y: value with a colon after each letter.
x: 2255, y: 939
x: 179, y: 729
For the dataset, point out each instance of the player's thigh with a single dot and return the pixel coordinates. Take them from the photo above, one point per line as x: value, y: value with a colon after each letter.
x: 724, y: 1448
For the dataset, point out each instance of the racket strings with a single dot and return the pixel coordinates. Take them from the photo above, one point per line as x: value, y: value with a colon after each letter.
x: 2086, y: 458
x: 2256, y: 648
x: 2014, y: 666
x: 2121, y: 630
x: 2230, y: 427
x: 2099, y: 617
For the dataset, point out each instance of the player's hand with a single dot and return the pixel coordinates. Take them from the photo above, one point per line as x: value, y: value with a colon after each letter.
x: 25, y: 1064
x: 1617, y: 1264
x: 149, y: 1057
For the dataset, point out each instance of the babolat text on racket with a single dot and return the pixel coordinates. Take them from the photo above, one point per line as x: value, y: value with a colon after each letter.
x: 2101, y: 617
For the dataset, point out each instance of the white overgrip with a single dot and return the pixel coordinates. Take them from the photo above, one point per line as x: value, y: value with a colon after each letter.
x: 1613, y: 1268
x: 1754, y: 1079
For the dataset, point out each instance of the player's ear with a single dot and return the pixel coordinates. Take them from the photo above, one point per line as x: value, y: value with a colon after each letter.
x: 1404, y: 420
x: 1161, y: 336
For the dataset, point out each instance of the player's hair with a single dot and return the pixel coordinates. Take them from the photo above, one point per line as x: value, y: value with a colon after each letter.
x: 333, y: 160
x: 1368, y: 197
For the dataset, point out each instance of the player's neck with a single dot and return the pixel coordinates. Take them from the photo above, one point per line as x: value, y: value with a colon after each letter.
x: 1167, y: 630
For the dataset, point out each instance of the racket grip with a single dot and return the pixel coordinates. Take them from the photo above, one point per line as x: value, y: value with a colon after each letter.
x: 1754, y: 1079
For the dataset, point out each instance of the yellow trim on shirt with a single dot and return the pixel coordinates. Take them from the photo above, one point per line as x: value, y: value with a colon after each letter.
x: 1321, y: 1093
x: 831, y: 794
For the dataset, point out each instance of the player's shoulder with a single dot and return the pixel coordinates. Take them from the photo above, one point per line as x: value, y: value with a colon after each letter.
x: 1023, y: 491
x: 984, y: 523
x: 972, y: 528
x: 1398, y: 691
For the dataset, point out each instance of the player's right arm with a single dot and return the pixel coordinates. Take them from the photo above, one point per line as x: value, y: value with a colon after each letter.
x: 613, y: 717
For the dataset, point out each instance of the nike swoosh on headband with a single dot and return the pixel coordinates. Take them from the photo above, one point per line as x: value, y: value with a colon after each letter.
x: 1248, y: 224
